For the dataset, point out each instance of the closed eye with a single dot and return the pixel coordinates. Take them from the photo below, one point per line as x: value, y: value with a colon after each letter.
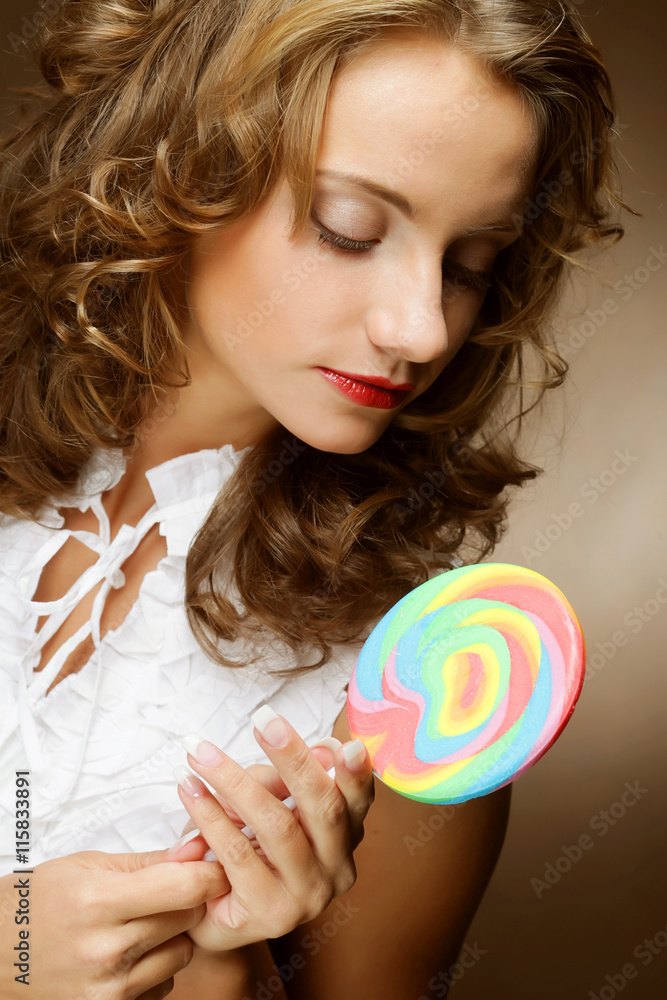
x: 343, y: 242
x: 463, y: 277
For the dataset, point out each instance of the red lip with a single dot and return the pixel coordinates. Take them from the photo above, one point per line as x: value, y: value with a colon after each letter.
x: 373, y: 380
x: 364, y: 392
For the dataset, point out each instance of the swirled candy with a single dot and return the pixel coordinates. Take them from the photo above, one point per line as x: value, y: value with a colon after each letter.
x: 466, y: 682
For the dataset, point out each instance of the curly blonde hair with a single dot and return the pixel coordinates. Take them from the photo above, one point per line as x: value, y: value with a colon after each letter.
x: 160, y: 120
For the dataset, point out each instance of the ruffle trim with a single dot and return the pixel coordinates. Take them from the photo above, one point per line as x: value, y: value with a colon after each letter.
x: 147, y: 685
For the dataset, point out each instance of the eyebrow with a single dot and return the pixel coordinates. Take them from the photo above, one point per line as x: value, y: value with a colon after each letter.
x: 406, y: 207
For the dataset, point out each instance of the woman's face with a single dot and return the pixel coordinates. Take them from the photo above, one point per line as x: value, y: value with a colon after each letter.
x: 270, y: 322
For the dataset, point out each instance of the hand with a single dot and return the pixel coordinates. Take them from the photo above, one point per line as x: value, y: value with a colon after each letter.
x: 190, y: 849
x: 298, y: 862
x: 111, y: 924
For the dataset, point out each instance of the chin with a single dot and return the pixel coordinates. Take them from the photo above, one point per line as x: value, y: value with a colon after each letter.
x: 340, y: 442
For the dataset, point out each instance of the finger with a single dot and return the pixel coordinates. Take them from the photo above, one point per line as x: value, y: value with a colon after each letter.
x: 325, y: 751
x: 129, y: 862
x: 156, y: 967
x: 143, y: 934
x: 198, y: 849
x: 190, y: 847
x: 323, y: 806
x: 259, y: 903
x: 188, y: 828
x: 161, y: 888
x: 258, y: 809
x: 267, y: 776
x: 271, y: 779
x: 249, y: 876
x: 158, y: 992
x: 354, y: 778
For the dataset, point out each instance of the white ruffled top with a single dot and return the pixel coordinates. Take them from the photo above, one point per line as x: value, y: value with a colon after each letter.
x: 101, y: 746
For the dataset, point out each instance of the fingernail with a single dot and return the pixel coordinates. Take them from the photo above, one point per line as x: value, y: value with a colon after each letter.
x: 209, y: 856
x: 329, y: 744
x: 271, y: 726
x: 327, y: 741
x: 185, y: 839
x: 203, y: 751
x: 354, y: 753
x: 189, y: 782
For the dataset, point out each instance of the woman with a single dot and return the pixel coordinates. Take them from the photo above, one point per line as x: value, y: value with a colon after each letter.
x: 271, y: 269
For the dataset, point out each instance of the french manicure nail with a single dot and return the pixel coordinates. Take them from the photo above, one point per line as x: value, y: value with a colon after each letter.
x: 203, y: 751
x: 189, y: 782
x: 328, y: 741
x: 185, y: 839
x: 354, y: 753
x: 271, y: 726
x: 329, y: 744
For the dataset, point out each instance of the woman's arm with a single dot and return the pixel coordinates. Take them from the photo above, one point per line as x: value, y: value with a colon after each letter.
x: 421, y: 873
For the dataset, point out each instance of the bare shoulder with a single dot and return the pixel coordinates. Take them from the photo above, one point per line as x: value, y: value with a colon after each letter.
x: 421, y: 873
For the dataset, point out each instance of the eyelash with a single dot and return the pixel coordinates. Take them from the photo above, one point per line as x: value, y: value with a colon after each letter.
x: 474, y: 279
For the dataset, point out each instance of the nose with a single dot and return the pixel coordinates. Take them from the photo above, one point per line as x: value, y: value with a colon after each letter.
x: 409, y: 321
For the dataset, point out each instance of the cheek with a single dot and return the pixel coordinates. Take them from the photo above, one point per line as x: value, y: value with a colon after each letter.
x: 233, y: 301
x: 209, y: 287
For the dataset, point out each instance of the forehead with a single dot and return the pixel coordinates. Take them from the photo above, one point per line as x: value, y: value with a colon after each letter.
x: 419, y: 115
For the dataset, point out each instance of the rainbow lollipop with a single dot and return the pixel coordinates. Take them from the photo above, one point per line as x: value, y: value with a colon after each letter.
x: 466, y: 682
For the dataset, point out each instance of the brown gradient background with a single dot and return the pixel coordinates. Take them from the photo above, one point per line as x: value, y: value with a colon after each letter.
x: 585, y: 927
